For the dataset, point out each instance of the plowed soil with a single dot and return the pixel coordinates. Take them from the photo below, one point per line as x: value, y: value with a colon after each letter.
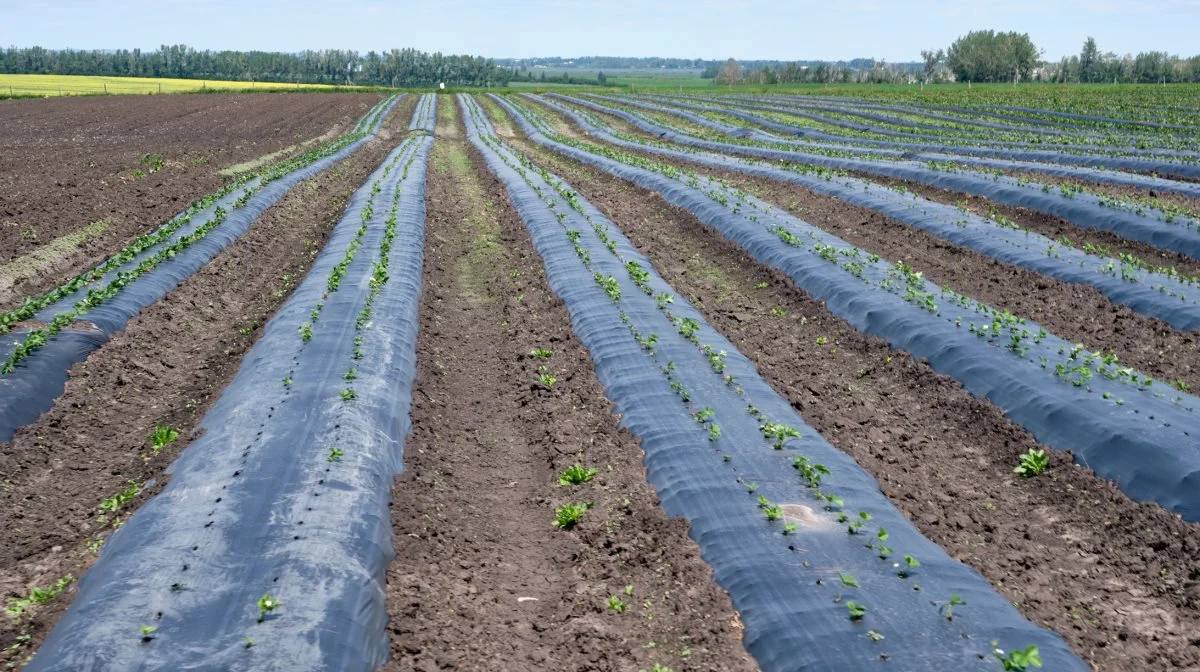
x: 482, y: 579
x: 1119, y: 580
x: 166, y: 368
x: 70, y: 162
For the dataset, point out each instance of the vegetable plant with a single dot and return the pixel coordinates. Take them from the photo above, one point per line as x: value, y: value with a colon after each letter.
x: 616, y: 604
x: 567, y: 515
x: 1019, y: 660
x: 148, y: 632
x: 1032, y: 463
x: 575, y: 475
x: 947, y: 608
x: 266, y: 605
x: 542, y: 353
x: 162, y: 436
x: 335, y: 454
x: 857, y: 611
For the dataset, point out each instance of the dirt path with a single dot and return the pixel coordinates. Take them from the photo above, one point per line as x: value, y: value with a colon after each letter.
x: 166, y: 368
x: 1078, y: 313
x: 1118, y: 580
x: 91, y: 164
x: 482, y: 579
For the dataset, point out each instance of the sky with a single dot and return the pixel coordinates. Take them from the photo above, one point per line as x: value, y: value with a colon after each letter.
x: 893, y: 30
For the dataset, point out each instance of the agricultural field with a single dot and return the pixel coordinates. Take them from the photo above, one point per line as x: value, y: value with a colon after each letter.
x: 20, y: 86
x: 578, y: 379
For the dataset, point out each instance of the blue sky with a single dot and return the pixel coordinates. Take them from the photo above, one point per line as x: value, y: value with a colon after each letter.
x: 766, y: 29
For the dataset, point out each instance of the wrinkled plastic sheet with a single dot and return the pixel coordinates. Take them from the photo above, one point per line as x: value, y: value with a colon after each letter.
x: 783, y: 586
x: 1129, y: 148
x: 255, y: 506
x: 31, y: 388
x: 1146, y: 443
x: 1106, y: 169
x: 1161, y: 160
x: 1084, y: 210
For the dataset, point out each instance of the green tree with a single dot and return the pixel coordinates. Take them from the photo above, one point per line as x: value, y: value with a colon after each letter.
x: 988, y: 56
x: 1089, y: 61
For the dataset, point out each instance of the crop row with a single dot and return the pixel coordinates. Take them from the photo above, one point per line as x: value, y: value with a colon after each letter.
x: 109, y: 295
x: 719, y: 442
x: 269, y: 545
x: 1066, y: 396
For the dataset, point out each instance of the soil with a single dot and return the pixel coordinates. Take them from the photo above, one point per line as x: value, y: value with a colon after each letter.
x: 482, y: 579
x: 1119, y: 580
x: 166, y: 368
x: 1078, y: 313
x: 69, y: 163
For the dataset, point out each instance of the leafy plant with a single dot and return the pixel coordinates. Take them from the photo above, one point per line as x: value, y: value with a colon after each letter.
x: 306, y: 332
x: 567, y: 515
x: 348, y: 394
x: 857, y: 611
x: 162, y: 436
x: 616, y: 604
x: 287, y: 382
x: 1032, y: 463
x: 875, y: 636
x: 779, y: 311
x: 547, y: 379
x: 266, y: 605
x: 112, y: 504
x: 779, y: 433
x: 148, y: 632
x: 947, y: 608
x: 761, y: 285
x: 249, y: 642
x: 542, y: 353
x: 335, y: 454
x: 350, y: 374
x: 16, y: 607
x: 1019, y: 660
x: 575, y: 475
x: 910, y: 564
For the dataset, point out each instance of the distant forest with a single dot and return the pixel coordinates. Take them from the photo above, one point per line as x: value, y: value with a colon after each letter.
x: 398, y: 67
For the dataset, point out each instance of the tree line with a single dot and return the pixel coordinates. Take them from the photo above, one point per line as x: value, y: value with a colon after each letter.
x: 396, y: 68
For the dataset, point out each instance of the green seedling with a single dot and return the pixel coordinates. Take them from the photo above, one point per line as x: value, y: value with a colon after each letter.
x: 856, y: 526
x: 287, y: 382
x: 547, y: 379
x: 148, y: 632
x: 821, y: 340
x: 249, y: 642
x: 705, y: 414
x: 875, y: 636
x: 567, y: 515
x: 335, y: 454
x: 857, y: 611
x: 1032, y: 463
x: 16, y: 607
x: 112, y: 504
x: 790, y: 528
x: 162, y: 436
x: 910, y: 564
x: 761, y: 285
x: 267, y: 604
x: 348, y: 394
x: 1019, y: 660
x: 542, y: 353
x: 847, y: 581
x: 616, y: 604
x: 779, y: 311
x: 306, y: 332
x: 714, y: 432
x: 947, y: 608
x: 350, y: 374
x: 779, y: 433
x: 575, y: 475
x: 773, y: 512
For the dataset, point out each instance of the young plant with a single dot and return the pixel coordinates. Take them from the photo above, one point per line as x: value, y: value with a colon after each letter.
x: 1019, y: 660
x: 616, y: 604
x: 148, y: 632
x: 947, y: 608
x: 779, y: 433
x: 112, y: 504
x: 575, y: 475
x: 857, y: 611
x: 567, y: 515
x: 306, y: 332
x: 1033, y: 462
x: 547, y: 379
x: 348, y: 394
x: 779, y: 311
x: 910, y: 564
x: 162, y: 436
x: 847, y: 581
x: 542, y: 353
x: 267, y: 604
x: 335, y: 454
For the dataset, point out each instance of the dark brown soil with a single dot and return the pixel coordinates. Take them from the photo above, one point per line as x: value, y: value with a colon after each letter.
x: 70, y: 161
x: 1120, y: 581
x: 166, y: 368
x: 482, y: 579
x: 1078, y: 313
